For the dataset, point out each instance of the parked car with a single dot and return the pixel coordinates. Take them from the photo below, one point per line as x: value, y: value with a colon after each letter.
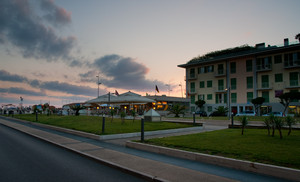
x: 279, y: 114
x: 201, y: 113
x: 246, y: 113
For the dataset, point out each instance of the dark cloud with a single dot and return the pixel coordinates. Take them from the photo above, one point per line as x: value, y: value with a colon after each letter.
x: 54, y: 14
x: 6, y: 76
x: 89, y: 76
x: 21, y: 91
x: 50, y: 85
x: 24, y: 29
x: 124, y: 72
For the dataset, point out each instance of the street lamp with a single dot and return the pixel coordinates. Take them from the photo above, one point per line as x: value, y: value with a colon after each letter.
x: 98, y: 83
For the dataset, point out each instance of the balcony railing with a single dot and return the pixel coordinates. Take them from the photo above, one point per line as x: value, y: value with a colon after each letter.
x: 192, y: 77
x: 266, y: 67
x: 291, y: 63
x: 265, y: 86
x: 220, y: 72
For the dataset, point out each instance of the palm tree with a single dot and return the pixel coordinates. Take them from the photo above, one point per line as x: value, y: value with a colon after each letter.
x: 177, y: 109
x: 244, y: 122
x: 298, y: 36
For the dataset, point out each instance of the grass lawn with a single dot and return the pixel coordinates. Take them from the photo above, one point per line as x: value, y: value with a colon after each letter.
x: 236, y: 118
x: 93, y: 124
x: 255, y: 145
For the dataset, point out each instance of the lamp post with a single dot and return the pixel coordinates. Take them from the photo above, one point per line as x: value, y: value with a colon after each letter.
x: 98, y: 83
x: 228, y: 103
x: 181, y: 90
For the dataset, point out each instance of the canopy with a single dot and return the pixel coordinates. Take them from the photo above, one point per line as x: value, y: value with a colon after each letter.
x: 127, y: 97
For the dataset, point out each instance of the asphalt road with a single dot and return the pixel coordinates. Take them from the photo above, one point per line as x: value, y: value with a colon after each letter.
x: 25, y: 158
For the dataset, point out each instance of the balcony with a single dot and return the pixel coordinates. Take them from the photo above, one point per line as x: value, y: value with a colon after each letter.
x: 291, y: 63
x: 220, y: 90
x: 263, y: 67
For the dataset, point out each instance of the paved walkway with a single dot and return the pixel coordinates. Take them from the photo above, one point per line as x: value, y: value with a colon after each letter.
x: 150, y: 166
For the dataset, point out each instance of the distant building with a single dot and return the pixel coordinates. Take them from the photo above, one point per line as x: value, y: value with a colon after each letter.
x: 241, y: 74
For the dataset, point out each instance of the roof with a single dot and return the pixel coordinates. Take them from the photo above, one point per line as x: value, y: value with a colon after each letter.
x: 128, y: 97
x: 152, y: 112
x: 251, y: 52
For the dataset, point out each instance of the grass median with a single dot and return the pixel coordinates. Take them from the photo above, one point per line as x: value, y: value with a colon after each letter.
x: 93, y: 124
x: 255, y: 145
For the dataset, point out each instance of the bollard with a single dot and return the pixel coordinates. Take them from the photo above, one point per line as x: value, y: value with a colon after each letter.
x: 142, y: 130
x: 103, y: 124
x: 36, y: 116
x: 194, y: 118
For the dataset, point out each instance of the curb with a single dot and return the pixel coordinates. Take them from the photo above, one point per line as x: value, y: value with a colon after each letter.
x: 266, y: 169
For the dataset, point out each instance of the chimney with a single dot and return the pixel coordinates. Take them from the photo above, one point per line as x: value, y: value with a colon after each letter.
x: 286, y: 42
x: 259, y: 46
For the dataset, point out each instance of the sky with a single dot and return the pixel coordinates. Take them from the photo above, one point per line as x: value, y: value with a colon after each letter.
x: 52, y: 50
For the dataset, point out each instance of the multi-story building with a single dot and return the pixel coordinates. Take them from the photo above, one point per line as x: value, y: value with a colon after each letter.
x: 241, y: 74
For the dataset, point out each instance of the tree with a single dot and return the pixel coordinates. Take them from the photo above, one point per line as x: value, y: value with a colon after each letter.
x: 244, y: 122
x: 289, y: 122
x: 200, y: 103
x: 298, y: 36
x: 77, y: 108
x: 177, y: 109
x: 279, y: 123
x: 133, y: 113
x: 257, y: 102
x: 267, y: 123
x: 112, y: 112
x: 123, y: 115
x: 286, y: 98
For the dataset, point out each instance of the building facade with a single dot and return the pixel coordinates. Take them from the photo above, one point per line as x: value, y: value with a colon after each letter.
x: 234, y: 78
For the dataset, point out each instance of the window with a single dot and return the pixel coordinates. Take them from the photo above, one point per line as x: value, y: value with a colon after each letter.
x: 233, y: 98
x: 209, y: 69
x: 209, y: 108
x: 233, y: 67
x: 249, y: 97
x: 209, y: 84
x: 264, y: 81
x: 220, y: 84
x: 192, y: 73
x: 249, y: 82
x: 294, y: 81
x: 277, y: 59
x: 201, y: 97
x: 209, y: 96
x: 265, y: 95
x: 220, y: 69
x: 192, y: 87
x: 218, y: 98
x: 200, y: 70
x: 249, y: 65
x: 202, y: 84
x: 233, y: 83
x: 278, y: 77
x: 263, y: 63
x: 192, y: 99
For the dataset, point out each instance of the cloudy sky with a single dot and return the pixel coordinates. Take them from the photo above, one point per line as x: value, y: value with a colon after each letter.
x: 52, y: 50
